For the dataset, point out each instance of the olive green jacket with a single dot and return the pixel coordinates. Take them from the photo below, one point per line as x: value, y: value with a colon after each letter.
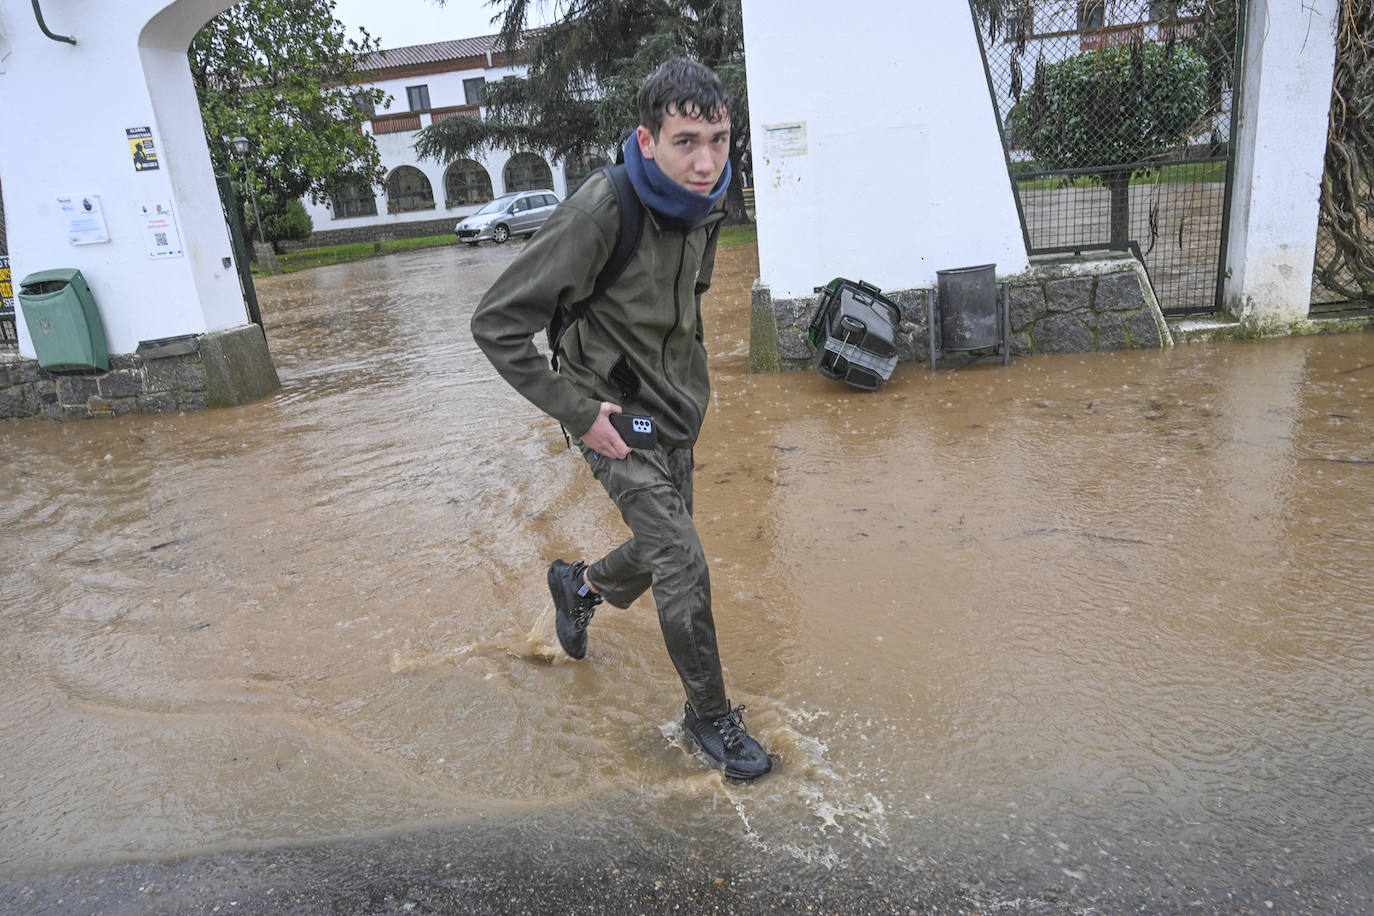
x: 649, y: 320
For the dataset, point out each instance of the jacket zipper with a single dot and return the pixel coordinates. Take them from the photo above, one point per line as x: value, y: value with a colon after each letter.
x: 677, y: 320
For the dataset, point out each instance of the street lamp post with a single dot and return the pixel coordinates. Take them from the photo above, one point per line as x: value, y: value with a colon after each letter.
x: 241, y: 145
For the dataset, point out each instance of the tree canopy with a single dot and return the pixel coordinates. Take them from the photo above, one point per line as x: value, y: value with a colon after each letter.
x: 584, y: 70
x: 283, y: 74
x: 1112, y: 109
x: 1117, y: 105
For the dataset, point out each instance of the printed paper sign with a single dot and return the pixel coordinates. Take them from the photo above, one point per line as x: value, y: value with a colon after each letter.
x: 141, y: 148
x: 84, y: 219
x: 160, y: 228
x: 784, y: 139
x: 6, y: 284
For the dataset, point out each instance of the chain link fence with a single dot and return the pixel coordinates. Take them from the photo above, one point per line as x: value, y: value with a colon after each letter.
x: 1116, y: 117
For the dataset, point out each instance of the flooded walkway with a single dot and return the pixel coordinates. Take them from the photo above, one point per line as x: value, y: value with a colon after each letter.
x: 1085, y: 632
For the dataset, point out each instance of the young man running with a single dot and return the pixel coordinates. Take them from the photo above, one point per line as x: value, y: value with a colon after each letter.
x: 638, y: 349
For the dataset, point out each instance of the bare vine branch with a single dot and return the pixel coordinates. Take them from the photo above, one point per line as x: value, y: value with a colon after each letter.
x: 1346, y: 265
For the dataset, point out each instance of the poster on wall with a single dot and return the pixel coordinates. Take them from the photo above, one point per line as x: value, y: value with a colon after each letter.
x: 788, y: 139
x: 160, y: 229
x: 6, y: 284
x: 85, y: 222
x: 141, y: 148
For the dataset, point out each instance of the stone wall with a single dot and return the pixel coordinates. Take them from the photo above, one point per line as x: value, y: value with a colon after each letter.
x: 1068, y: 305
x: 373, y: 233
x: 218, y: 369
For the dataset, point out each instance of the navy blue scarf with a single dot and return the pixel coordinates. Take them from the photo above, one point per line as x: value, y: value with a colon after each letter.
x: 674, y: 205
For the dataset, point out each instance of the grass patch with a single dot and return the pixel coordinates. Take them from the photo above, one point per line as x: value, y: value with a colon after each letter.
x: 354, y: 251
x: 307, y: 258
x: 738, y: 235
x: 1185, y: 173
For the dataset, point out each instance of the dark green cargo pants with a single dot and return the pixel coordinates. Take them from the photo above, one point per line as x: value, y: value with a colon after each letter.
x: 653, y: 491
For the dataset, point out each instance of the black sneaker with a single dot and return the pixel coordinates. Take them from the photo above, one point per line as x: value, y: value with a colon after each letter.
x: 575, y: 604
x: 725, y: 741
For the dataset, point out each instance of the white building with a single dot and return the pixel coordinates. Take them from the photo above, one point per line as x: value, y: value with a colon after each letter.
x: 426, y: 84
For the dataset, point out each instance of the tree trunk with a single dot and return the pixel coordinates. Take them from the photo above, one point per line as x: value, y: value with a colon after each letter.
x: 1118, y: 184
x: 735, y: 212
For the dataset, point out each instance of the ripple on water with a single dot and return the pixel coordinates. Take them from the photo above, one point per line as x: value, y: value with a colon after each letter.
x: 1116, y: 602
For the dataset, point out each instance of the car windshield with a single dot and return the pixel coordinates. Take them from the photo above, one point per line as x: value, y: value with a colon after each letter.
x: 496, y: 206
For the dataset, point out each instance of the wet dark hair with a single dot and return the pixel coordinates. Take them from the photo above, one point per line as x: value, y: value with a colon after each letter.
x: 685, y: 87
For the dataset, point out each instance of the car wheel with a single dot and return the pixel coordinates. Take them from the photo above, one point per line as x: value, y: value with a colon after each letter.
x: 500, y: 234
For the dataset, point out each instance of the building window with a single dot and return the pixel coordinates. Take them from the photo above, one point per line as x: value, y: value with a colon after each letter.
x: 418, y: 98
x: 363, y: 104
x: 1090, y: 15
x: 351, y: 200
x: 577, y: 168
x: 475, y: 90
x: 527, y: 172
x: 408, y: 190
x: 466, y: 182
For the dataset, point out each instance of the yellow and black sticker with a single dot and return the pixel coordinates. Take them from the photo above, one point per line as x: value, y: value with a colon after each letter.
x: 141, y: 148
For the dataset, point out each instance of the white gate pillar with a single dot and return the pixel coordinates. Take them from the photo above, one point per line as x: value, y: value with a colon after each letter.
x: 109, y: 173
x: 1290, y: 53
x: 875, y: 146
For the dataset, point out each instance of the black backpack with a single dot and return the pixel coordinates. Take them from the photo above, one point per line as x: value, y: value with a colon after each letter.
x: 627, y: 240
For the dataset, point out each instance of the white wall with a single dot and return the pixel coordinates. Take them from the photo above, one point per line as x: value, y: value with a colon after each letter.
x: 1285, y: 102
x: 902, y: 171
x: 397, y: 149
x: 69, y: 107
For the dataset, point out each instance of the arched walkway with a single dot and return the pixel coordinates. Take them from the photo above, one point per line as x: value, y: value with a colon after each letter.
x: 466, y: 182
x: 577, y: 168
x: 527, y: 172
x: 407, y: 190
x: 352, y: 200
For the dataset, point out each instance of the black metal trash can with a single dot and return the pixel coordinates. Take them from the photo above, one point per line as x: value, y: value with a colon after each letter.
x: 968, y: 307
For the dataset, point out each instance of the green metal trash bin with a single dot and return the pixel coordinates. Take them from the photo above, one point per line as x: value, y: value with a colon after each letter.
x: 63, y: 322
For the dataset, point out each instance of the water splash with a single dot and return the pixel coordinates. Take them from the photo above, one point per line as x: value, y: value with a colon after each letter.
x: 806, y: 808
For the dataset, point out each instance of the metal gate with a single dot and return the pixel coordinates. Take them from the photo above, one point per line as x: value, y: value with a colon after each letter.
x: 229, y: 203
x: 1116, y: 117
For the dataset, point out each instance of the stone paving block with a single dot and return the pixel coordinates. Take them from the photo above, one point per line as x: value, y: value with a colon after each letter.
x: 1070, y: 294
x: 1027, y: 302
x: 158, y: 402
x: 1111, y: 332
x: 1062, y: 334
x: 77, y: 389
x: 1144, y: 329
x: 17, y: 402
x: 1119, y: 292
x: 122, y: 383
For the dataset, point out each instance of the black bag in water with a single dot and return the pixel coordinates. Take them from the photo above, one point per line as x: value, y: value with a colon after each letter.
x: 854, y: 333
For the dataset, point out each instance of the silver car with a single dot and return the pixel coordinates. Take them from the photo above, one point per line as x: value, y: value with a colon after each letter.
x: 520, y: 213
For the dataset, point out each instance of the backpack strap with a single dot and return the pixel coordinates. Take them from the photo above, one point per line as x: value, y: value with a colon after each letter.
x: 627, y: 240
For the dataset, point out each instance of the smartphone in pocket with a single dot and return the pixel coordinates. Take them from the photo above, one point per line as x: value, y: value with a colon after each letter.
x: 637, y: 430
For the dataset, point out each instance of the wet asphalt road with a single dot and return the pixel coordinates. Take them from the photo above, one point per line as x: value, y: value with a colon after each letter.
x: 612, y: 856
x: 541, y: 863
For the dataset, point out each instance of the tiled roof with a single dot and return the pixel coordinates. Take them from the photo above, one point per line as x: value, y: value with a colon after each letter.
x: 437, y: 52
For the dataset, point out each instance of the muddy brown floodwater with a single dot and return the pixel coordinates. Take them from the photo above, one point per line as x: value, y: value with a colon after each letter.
x: 1085, y: 628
